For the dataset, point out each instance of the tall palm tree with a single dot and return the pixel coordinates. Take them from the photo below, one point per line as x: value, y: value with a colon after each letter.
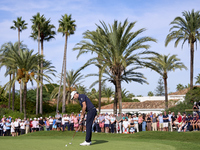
x: 67, y: 27
x: 186, y: 29
x: 38, y: 21
x: 20, y: 25
x: 46, y: 34
x: 27, y: 65
x: 163, y: 64
x: 115, y: 46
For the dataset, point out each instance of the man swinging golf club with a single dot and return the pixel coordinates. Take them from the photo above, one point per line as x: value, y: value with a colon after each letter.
x: 88, y: 107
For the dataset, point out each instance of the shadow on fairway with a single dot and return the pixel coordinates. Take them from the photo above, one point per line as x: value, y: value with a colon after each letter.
x: 99, y: 142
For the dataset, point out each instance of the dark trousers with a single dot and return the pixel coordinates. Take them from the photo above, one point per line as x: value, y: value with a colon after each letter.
x: 1, y: 132
x: 68, y: 126
x: 50, y: 126
x: 97, y: 127
x: 72, y: 126
x: 89, y: 121
x: 112, y: 128
x: 64, y: 126
x: 140, y: 126
x: 8, y: 132
x: 22, y: 131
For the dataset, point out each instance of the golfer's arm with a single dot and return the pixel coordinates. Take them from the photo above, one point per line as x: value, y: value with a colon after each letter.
x: 83, y: 109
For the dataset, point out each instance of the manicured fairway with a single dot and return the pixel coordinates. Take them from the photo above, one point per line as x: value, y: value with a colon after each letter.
x: 54, y: 140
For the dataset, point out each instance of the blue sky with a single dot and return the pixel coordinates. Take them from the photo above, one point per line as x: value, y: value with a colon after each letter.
x: 154, y: 15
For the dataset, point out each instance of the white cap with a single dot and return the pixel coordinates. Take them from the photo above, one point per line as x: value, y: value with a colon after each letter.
x: 72, y: 94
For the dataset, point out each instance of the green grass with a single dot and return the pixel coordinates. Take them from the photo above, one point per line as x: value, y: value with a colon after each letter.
x: 54, y: 140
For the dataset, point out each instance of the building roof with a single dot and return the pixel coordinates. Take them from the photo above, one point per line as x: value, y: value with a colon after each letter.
x: 182, y: 92
x: 142, y: 105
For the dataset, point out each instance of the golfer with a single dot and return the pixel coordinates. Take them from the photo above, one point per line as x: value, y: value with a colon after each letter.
x: 88, y: 107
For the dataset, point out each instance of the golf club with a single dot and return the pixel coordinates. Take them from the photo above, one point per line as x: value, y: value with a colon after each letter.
x: 74, y: 134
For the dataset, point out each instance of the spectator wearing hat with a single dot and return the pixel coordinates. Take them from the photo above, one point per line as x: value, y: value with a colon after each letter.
x: 30, y: 125
x: 101, y: 122
x: 41, y: 124
x: 58, y: 117
x: 34, y: 125
x: 118, y: 123
x: 149, y: 123
x: 8, y: 125
x: 107, y: 123
x: 131, y: 126
x: 22, y: 127
x: 50, y: 122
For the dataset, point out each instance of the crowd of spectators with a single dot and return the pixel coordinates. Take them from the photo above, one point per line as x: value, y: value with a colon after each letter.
x: 108, y: 123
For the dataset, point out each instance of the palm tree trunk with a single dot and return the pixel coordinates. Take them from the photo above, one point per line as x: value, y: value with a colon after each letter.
x: 38, y: 78
x: 21, y: 96
x: 9, y: 94
x: 115, y: 101
x: 13, y: 93
x: 191, y: 64
x: 166, y: 95
x: 58, y: 99
x: 41, y: 79
x: 24, y: 102
x: 119, y: 93
x: 99, y: 91
x: 64, y: 79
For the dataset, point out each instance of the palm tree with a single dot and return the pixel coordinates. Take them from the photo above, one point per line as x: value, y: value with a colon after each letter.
x: 179, y: 87
x: 46, y: 34
x: 163, y: 64
x: 5, y: 50
x: 38, y: 21
x: 27, y: 65
x: 66, y: 27
x: 197, y: 79
x: 73, y: 80
x: 186, y: 29
x: 20, y: 25
x: 115, y: 45
x: 108, y: 92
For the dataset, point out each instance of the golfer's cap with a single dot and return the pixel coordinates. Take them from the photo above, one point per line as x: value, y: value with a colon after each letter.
x: 30, y: 118
x: 40, y: 117
x: 72, y: 94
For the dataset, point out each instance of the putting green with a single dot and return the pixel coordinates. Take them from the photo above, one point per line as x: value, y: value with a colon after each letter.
x: 144, y: 141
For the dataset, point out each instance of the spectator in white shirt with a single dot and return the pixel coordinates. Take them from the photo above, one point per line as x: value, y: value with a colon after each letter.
x: 16, y: 125
x: 107, y: 123
x: 22, y: 127
x: 125, y: 126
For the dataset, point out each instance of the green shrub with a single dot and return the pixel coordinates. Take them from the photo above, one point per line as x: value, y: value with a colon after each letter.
x: 13, y: 114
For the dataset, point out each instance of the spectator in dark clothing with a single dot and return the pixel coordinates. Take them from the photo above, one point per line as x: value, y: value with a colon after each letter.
x: 41, y: 124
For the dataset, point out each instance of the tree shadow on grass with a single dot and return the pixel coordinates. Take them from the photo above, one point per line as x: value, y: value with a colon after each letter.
x: 99, y: 142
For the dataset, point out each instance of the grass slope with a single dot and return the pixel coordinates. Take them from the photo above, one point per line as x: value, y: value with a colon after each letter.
x: 144, y: 140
